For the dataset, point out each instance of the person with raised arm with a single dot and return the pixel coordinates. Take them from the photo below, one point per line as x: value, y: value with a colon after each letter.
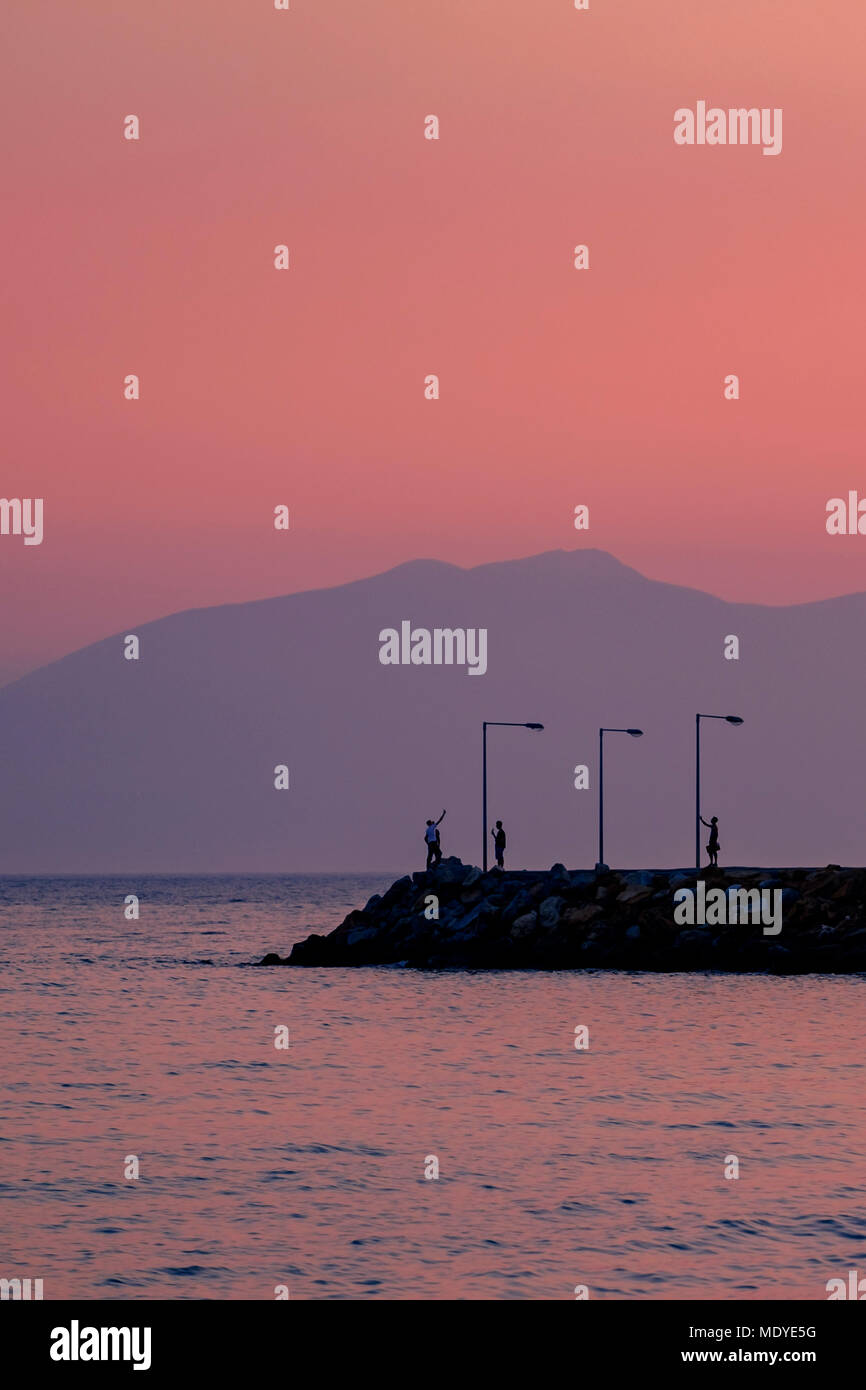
x: 431, y: 839
x: 713, y: 842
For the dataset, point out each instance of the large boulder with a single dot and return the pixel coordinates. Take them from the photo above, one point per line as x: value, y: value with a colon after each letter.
x: 550, y: 911
x: 451, y: 870
x: 579, y: 916
x: 635, y: 893
x: 524, y: 926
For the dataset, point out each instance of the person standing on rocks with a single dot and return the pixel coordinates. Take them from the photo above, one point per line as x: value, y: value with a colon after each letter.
x: 431, y: 839
x: 713, y: 841
x: 499, y: 844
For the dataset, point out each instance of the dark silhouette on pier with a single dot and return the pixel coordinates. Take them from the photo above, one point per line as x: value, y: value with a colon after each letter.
x: 713, y: 842
x: 431, y: 839
x: 499, y: 844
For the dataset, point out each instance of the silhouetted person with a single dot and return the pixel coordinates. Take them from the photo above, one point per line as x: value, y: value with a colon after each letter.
x: 499, y: 844
x: 431, y: 839
x: 713, y: 841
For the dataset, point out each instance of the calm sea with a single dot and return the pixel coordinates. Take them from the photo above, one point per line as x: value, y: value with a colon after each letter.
x: 305, y: 1166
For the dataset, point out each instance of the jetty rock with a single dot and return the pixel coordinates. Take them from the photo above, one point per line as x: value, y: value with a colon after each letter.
x: 799, y: 921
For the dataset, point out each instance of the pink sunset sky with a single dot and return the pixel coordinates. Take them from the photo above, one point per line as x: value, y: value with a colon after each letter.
x: 411, y: 257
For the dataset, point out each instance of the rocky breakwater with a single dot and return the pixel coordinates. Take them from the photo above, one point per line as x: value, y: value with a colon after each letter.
x: 798, y: 921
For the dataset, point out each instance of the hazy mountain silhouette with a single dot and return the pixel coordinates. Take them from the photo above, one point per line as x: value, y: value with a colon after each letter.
x: 167, y: 763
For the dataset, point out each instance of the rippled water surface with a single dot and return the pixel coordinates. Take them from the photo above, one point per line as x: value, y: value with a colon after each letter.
x: 305, y: 1167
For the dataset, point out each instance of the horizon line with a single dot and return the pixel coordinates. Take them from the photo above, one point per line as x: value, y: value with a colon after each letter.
x: 408, y: 873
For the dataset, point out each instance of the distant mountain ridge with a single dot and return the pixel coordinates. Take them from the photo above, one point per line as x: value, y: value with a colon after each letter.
x: 167, y: 763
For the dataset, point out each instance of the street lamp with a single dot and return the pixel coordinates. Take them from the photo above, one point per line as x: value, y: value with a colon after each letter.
x: 494, y: 724
x: 729, y: 719
x: 635, y: 733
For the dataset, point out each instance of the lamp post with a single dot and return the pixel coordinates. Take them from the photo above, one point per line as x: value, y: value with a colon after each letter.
x: 493, y: 724
x: 635, y: 733
x: 729, y: 719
